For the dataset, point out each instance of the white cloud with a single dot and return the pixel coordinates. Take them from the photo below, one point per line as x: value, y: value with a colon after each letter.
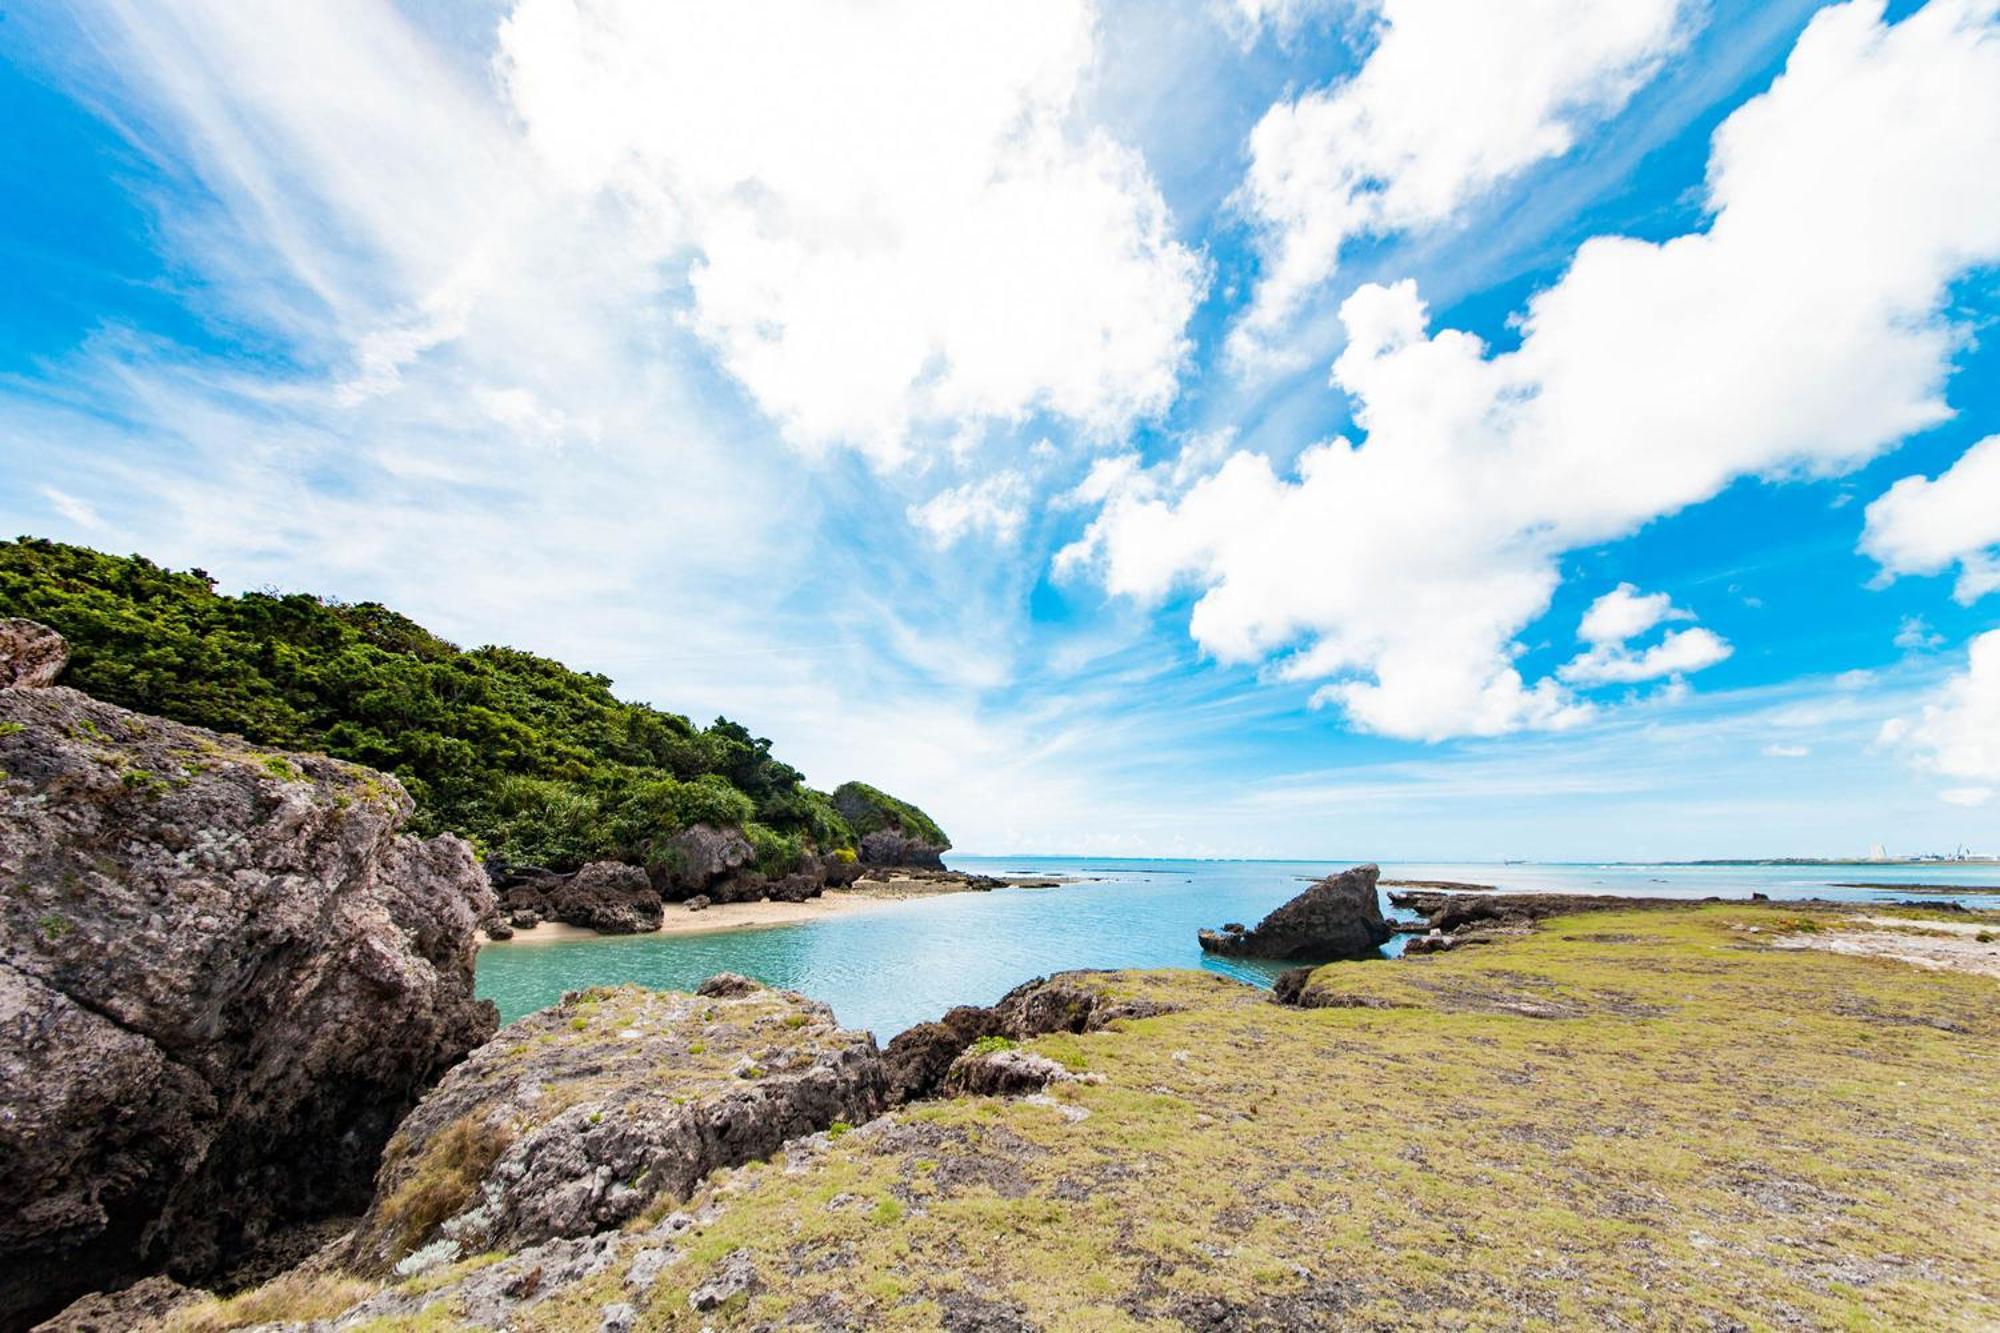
x: 1802, y: 332
x: 1957, y: 735
x: 80, y: 512
x: 1623, y: 614
x: 996, y: 505
x: 1250, y: 19
x: 1456, y: 96
x: 897, y: 217
x: 1966, y: 796
x: 1923, y: 526
x: 1680, y: 653
x: 1778, y: 750
x: 1914, y: 635
x: 1626, y: 613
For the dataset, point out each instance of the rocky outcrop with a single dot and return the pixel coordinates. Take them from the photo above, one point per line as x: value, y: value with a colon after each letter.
x: 893, y: 847
x: 576, y: 1119
x: 224, y: 976
x: 144, y: 1304
x: 31, y: 654
x: 1002, y: 1073
x: 698, y: 858
x: 610, y: 897
x: 891, y: 832
x: 920, y: 1059
x: 1450, y: 912
x: 1339, y: 917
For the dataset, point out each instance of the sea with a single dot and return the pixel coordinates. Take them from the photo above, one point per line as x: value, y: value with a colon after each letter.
x: 890, y: 965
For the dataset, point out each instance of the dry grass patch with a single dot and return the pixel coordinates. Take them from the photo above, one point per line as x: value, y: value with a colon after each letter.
x: 295, y: 1298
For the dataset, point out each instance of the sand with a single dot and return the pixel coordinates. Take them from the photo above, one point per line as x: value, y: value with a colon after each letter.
x: 869, y: 894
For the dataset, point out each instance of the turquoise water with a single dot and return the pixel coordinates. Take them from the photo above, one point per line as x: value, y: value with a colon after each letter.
x: 898, y: 963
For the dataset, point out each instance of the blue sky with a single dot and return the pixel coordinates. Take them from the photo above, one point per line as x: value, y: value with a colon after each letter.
x: 1424, y: 429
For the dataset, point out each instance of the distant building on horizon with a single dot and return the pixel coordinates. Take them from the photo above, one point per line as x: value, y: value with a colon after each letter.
x: 1878, y: 853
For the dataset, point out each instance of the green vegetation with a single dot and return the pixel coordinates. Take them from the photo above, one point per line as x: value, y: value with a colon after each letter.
x: 1626, y: 1120
x: 988, y: 1045
x: 529, y: 759
x: 867, y: 809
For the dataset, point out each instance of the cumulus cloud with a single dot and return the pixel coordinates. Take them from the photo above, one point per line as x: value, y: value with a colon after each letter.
x: 1957, y: 735
x: 1801, y: 333
x: 896, y: 214
x: 1924, y: 526
x: 1456, y: 96
x: 1624, y: 614
x: 996, y: 505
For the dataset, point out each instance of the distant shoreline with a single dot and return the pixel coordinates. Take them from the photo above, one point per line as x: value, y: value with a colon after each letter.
x: 1894, y: 862
x: 867, y: 894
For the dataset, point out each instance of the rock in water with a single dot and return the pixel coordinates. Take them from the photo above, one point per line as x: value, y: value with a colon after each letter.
x: 1339, y: 917
x: 576, y: 1119
x: 224, y: 977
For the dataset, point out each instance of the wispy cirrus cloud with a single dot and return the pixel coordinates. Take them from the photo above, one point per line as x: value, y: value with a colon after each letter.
x: 1454, y: 98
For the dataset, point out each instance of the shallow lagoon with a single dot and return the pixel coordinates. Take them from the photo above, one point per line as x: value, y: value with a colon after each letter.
x: 892, y: 964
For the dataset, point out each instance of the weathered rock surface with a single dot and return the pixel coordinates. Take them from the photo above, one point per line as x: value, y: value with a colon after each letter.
x: 610, y: 897
x: 224, y: 977
x: 141, y: 1305
x: 578, y: 1118
x: 1449, y: 912
x: 891, y: 832
x: 893, y: 847
x: 31, y: 654
x: 920, y: 1059
x: 1004, y: 1073
x: 1339, y: 917
x: 699, y: 858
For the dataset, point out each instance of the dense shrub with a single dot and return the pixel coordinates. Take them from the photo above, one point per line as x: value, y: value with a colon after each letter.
x: 524, y: 756
x: 866, y: 809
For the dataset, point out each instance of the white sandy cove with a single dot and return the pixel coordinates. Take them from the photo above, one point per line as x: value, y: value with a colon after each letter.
x: 869, y: 893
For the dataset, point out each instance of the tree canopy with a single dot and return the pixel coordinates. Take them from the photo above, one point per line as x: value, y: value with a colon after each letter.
x: 522, y: 755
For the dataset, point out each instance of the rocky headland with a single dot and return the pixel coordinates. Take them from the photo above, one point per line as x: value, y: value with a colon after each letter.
x: 225, y: 976
x: 1338, y: 918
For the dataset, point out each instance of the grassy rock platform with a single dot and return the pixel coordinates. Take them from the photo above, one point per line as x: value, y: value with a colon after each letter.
x: 1648, y: 1119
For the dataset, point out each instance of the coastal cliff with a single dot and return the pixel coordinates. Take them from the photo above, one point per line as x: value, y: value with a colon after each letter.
x: 225, y: 976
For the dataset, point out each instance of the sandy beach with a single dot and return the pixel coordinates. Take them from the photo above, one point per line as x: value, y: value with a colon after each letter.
x: 864, y: 896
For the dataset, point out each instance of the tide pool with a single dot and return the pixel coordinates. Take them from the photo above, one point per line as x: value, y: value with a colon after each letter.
x: 893, y: 964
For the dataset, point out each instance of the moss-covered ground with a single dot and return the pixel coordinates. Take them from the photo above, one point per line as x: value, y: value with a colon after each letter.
x: 1633, y: 1120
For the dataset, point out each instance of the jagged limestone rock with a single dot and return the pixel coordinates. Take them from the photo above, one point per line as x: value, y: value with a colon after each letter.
x: 225, y: 974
